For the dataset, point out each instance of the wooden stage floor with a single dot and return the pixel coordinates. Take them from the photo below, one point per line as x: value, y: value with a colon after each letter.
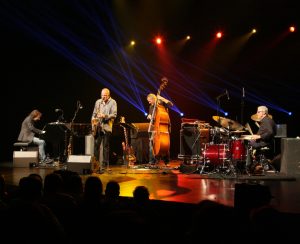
x: 176, y: 185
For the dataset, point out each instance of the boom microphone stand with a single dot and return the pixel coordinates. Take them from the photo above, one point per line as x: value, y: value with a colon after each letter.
x: 242, y: 106
x: 219, y: 120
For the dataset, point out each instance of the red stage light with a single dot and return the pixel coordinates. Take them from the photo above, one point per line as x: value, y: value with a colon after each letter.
x: 219, y: 34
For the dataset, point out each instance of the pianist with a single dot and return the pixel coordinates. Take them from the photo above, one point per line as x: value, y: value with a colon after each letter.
x: 28, y: 132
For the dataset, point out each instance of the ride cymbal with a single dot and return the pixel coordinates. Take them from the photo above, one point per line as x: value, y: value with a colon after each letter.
x: 255, y: 117
x: 228, y: 123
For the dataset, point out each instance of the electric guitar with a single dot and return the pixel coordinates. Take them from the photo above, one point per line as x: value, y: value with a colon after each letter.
x: 128, y: 152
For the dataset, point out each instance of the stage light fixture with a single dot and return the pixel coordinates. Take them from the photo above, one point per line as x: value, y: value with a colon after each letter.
x: 158, y: 40
x: 292, y: 28
x: 219, y: 34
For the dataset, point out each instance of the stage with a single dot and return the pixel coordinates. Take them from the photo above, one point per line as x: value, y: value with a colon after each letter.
x: 169, y: 183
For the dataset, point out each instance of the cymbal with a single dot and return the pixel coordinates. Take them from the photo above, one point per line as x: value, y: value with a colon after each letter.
x: 228, y: 123
x: 255, y: 117
x: 238, y: 131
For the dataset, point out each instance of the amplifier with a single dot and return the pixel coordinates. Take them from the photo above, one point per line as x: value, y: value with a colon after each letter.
x: 290, y: 156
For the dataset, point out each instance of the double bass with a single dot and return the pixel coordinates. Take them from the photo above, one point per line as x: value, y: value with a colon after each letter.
x: 159, y: 125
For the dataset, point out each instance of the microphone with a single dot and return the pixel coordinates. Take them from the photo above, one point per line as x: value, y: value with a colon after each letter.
x: 227, y: 94
x: 57, y: 110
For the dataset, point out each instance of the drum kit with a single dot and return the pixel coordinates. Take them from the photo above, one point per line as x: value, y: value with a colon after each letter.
x: 227, y: 150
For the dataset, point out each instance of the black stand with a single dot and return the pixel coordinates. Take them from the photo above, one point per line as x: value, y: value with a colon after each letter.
x: 218, y: 111
x: 70, y: 144
x: 242, y: 106
x: 230, y: 169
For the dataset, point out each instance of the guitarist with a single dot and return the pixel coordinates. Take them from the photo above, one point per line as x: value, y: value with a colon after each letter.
x: 104, y: 114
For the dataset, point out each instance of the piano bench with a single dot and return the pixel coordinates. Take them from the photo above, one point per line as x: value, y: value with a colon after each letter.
x: 24, y: 154
x: 25, y: 146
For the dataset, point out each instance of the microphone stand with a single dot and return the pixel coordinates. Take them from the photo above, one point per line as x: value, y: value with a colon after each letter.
x: 219, y: 132
x: 70, y: 144
x: 242, y: 106
x: 219, y: 121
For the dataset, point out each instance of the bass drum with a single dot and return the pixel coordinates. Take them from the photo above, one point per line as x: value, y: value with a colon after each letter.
x: 215, y: 153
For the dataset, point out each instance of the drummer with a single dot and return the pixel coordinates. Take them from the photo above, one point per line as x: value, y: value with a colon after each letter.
x: 266, y: 132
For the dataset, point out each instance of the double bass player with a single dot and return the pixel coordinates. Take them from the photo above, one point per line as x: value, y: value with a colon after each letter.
x: 159, y: 127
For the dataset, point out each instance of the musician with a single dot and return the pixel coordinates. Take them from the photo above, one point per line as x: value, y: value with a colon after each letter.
x: 103, y: 116
x: 265, y: 134
x: 151, y: 98
x: 28, y: 133
x: 267, y: 129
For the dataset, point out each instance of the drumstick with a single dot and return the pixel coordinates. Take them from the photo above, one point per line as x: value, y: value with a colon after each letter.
x: 249, y: 128
x: 257, y: 124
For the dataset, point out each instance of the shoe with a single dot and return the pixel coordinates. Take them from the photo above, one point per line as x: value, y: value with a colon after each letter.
x: 152, y: 162
x: 100, y: 171
x: 41, y: 164
x: 46, y: 161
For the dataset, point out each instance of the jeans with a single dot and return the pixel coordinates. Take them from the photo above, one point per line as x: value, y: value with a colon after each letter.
x: 101, y: 149
x: 41, y: 144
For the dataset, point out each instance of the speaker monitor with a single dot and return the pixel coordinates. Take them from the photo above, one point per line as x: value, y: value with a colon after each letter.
x: 80, y: 163
x: 192, y: 140
x: 249, y: 196
x: 290, y: 156
x: 24, y: 158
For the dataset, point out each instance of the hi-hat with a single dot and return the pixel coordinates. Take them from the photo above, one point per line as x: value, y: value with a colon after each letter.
x: 228, y: 123
x: 255, y: 117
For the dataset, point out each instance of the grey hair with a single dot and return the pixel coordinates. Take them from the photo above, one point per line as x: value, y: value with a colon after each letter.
x: 263, y: 108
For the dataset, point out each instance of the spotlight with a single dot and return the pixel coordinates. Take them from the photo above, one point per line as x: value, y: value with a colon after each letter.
x: 181, y: 114
x: 290, y: 113
x: 292, y: 28
x: 219, y: 34
x: 158, y: 40
x: 146, y: 114
x: 226, y: 113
